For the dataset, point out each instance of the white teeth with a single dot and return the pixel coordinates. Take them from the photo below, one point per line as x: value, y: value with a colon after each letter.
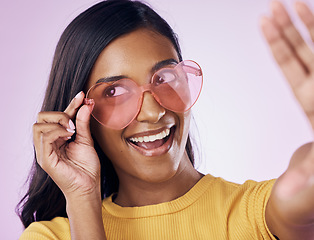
x: 152, y: 138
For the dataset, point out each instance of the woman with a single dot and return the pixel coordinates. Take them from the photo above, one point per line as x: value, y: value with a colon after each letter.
x: 135, y: 153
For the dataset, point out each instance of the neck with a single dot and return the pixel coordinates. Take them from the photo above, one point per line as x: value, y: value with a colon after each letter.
x: 136, y: 192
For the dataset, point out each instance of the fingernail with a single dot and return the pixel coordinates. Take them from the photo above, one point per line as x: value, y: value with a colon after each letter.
x: 71, y: 125
x: 70, y: 130
x: 79, y: 94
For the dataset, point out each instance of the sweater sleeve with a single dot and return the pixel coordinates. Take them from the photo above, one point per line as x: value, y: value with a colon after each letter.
x: 56, y: 229
x: 260, y: 202
x: 248, y: 207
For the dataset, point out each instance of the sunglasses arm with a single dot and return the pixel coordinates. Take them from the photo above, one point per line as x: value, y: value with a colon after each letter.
x: 192, y: 70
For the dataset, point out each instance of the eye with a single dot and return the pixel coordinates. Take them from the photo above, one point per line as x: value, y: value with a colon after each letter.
x: 159, y: 80
x: 164, y: 77
x: 115, y: 91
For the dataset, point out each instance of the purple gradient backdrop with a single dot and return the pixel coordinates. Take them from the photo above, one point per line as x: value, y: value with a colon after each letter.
x: 249, y: 123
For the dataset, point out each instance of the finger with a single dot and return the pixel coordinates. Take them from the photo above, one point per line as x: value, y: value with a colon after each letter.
x: 292, y: 35
x: 51, y: 132
x: 83, y: 134
x: 47, y: 146
x: 56, y: 117
x: 306, y: 16
x: 46, y: 158
x: 74, y: 105
x: 49, y: 164
x: 290, y: 65
x: 39, y: 128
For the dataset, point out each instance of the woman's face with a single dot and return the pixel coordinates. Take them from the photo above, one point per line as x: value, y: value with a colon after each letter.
x: 137, y: 56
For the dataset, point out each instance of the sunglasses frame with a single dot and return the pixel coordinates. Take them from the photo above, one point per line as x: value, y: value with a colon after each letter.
x: 148, y: 88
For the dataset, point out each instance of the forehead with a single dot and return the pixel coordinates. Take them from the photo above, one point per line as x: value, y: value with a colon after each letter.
x: 133, y: 55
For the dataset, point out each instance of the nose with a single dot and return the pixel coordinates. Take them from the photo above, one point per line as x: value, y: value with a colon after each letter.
x: 151, y: 111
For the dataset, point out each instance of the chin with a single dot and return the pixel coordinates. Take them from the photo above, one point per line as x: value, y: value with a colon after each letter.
x: 160, y: 171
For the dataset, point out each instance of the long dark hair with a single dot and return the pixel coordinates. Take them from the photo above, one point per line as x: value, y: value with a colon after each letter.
x: 77, y: 50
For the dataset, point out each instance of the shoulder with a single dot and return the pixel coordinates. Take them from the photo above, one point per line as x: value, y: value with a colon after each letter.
x: 217, y: 192
x: 57, y: 228
x: 250, y: 186
x: 242, y: 206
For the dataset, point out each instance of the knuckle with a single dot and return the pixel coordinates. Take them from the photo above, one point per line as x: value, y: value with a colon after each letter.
x: 65, y: 116
x: 35, y: 127
x: 52, y: 117
x: 44, y: 116
x: 36, y: 130
x: 40, y: 116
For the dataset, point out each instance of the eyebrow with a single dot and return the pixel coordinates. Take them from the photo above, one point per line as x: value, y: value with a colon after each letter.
x: 163, y: 63
x: 111, y: 79
x: 155, y: 68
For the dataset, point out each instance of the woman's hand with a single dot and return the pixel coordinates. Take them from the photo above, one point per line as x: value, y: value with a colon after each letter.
x: 73, y: 165
x: 290, y: 210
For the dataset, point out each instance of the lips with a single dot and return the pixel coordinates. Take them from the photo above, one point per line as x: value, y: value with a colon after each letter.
x: 153, y: 144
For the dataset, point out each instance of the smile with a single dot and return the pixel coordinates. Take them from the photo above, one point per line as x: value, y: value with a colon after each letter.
x: 155, y: 144
x: 151, y: 138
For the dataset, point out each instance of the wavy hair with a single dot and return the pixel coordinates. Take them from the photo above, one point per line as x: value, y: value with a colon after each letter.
x: 76, y: 52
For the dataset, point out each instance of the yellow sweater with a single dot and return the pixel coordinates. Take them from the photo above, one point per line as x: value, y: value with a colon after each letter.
x: 212, y: 209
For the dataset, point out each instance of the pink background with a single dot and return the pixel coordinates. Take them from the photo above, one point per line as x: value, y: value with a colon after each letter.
x: 249, y: 122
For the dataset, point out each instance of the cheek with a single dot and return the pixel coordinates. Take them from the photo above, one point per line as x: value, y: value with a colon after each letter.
x: 95, y: 129
x: 109, y: 140
x: 183, y: 131
x: 185, y: 119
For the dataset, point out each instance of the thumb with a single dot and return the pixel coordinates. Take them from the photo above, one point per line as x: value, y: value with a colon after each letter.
x: 83, y: 134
